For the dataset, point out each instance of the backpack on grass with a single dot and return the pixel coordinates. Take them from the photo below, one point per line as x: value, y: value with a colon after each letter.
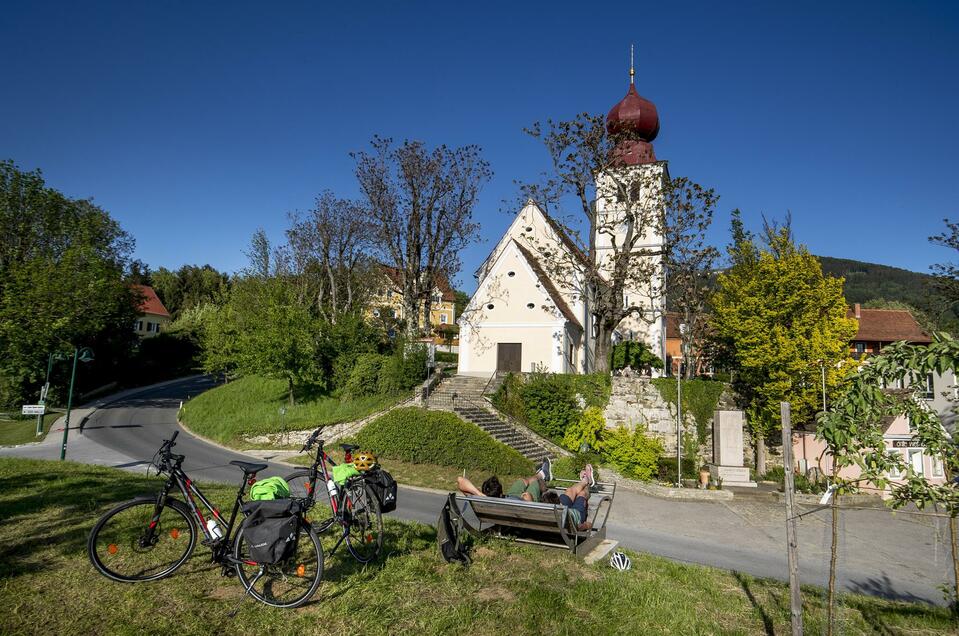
x: 384, y: 487
x: 451, y: 543
x: 270, y: 529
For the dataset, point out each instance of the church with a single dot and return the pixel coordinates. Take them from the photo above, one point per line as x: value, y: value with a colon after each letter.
x: 531, y: 309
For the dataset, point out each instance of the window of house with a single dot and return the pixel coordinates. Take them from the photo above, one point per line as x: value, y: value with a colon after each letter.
x: 929, y: 390
x: 915, y: 461
x: 149, y: 326
x: 894, y: 472
x: 443, y: 320
x: 139, y: 325
x: 376, y: 313
x: 937, y: 470
x: 860, y: 347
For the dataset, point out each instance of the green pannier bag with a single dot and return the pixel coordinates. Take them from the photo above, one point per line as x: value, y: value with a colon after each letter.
x: 270, y: 488
x: 342, y: 472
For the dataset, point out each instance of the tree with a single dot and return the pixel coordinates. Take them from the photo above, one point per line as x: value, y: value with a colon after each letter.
x: 263, y: 328
x: 614, y: 253
x: 462, y: 300
x: 421, y: 204
x: 189, y: 287
x: 779, y: 323
x: 62, y: 264
x: 688, y: 262
x: 947, y: 274
x: 330, y: 254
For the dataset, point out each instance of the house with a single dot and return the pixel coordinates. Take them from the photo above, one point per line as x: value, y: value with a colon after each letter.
x: 877, y: 328
x: 388, y: 302
x: 531, y: 309
x: 153, y: 317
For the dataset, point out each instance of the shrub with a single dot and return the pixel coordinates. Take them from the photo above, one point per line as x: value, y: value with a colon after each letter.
x: 550, y: 405
x: 593, y: 387
x: 509, y: 397
x: 569, y: 467
x: 666, y: 469
x: 446, y: 356
x: 434, y: 437
x: 636, y: 355
x: 632, y: 453
x: 585, y: 433
x: 364, y: 378
x: 405, y: 369
x: 700, y: 398
x: 775, y: 473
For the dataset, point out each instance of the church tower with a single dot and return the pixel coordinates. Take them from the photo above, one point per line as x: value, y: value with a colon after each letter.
x: 629, y: 209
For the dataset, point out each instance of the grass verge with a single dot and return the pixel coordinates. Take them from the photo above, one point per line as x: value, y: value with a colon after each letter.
x: 252, y: 406
x: 47, y: 585
x: 24, y: 431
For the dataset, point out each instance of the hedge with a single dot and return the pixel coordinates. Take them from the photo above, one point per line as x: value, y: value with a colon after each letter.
x: 420, y: 436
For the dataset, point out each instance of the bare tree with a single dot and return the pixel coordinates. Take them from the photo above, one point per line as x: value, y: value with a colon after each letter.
x: 421, y: 205
x: 688, y: 261
x: 330, y: 255
x: 616, y: 262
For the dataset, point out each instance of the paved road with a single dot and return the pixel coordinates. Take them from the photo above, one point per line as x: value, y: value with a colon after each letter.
x: 892, y: 556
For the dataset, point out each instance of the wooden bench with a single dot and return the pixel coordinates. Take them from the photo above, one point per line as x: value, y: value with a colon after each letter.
x: 540, y: 523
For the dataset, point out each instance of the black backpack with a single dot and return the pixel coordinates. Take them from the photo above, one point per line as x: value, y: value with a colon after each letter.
x: 270, y: 529
x: 452, y: 546
x: 384, y: 487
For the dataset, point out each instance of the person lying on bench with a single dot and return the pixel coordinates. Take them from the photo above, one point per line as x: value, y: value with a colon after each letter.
x: 527, y: 489
x: 576, y: 498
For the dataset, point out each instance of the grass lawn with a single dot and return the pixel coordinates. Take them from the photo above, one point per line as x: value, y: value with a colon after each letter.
x: 251, y: 406
x: 24, y: 431
x: 47, y: 585
x: 409, y: 474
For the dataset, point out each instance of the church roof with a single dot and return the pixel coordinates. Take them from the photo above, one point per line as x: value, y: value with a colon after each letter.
x: 548, y: 285
x: 565, y: 238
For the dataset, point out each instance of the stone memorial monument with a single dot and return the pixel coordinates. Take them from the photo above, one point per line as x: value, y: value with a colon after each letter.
x: 728, y: 450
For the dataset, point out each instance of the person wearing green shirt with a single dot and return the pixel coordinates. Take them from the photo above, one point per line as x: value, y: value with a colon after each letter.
x: 530, y: 488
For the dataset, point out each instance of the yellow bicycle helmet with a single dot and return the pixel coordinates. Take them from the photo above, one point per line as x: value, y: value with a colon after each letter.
x: 364, y: 460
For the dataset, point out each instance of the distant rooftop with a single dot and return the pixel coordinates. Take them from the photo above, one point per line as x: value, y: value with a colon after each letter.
x: 151, y: 303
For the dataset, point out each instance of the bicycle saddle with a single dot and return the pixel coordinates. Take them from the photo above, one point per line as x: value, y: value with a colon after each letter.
x: 247, y: 467
x: 348, y: 447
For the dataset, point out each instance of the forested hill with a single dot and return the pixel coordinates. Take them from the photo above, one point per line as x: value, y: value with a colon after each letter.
x: 869, y: 281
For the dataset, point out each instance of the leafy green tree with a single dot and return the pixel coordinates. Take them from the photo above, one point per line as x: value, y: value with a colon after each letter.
x: 62, y: 264
x: 188, y: 287
x: 263, y: 329
x: 780, y: 323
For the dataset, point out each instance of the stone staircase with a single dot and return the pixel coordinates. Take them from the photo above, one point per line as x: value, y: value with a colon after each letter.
x: 463, y: 395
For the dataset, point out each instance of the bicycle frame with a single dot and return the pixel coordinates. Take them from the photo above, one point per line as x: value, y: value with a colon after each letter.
x: 319, y: 468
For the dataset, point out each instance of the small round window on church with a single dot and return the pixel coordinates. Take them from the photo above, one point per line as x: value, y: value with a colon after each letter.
x: 511, y: 274
x: 529, y: 228
x: 489, y: 306
x: 530, y: 305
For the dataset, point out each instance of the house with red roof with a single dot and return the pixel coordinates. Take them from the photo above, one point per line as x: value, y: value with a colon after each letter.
x: 388, y: 304
x: 153, y: 317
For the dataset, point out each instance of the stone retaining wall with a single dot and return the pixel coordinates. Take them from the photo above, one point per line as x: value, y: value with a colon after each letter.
x: 636, y: 401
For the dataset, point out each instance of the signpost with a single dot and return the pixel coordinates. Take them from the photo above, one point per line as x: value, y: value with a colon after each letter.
x: 84, y: 355
x: 792, y: 543
x: 33, y: 409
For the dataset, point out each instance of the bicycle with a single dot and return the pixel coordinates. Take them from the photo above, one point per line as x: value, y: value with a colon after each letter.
x: 151, y: 536
x: 355, y: 507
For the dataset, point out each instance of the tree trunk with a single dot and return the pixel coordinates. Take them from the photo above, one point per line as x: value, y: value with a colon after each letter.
x: 833, y: 557
x: 289, y: 384
x: 602, y: 348
x: 954, y: 539
x: 411, y: 312
x: 760, y: 455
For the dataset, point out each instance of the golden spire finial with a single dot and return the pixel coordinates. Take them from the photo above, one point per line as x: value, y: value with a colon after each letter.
x: 632, y: 71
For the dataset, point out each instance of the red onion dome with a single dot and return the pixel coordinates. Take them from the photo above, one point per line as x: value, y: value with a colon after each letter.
x: 634, y: 115
x: 635, y: 119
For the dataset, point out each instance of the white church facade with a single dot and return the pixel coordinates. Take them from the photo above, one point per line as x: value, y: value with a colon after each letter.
x: 531, y: 309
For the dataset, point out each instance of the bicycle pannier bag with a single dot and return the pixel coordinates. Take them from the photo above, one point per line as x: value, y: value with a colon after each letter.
x: 270, y: 529
x: 384, y: 487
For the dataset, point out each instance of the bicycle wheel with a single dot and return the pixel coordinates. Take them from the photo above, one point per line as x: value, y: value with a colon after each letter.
x: 125, y: 545
x: 362, y: 509
x: 289, y: 583
x: 299, y: 483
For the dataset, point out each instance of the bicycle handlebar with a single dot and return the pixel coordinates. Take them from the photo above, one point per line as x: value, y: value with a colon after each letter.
x: 311, y: 440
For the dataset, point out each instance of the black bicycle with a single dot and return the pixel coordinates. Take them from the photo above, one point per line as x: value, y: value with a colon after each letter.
x: 151, y: 536
x: 355, y: 507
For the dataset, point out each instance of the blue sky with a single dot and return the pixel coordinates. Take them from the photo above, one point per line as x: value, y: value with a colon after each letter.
x: 194, y: 124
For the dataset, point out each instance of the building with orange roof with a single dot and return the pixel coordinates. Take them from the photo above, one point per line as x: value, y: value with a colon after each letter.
x: 153, y: 317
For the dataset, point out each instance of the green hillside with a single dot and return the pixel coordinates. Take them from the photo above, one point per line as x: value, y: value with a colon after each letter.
x: 881, y: 285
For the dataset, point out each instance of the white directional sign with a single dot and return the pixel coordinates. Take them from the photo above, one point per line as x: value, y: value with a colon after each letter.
x: 34, y: 409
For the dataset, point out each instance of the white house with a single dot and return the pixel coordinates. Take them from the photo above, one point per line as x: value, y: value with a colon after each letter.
x: 528, y: 313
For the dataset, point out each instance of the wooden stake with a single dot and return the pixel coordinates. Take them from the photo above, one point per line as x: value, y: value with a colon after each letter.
x: 795, y: 593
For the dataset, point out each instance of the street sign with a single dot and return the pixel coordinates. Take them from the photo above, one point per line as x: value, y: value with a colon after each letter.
x: 34, y: 409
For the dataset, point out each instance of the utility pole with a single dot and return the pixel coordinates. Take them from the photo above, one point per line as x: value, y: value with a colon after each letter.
x: 43, y: 394
x: 792, y: 546
x: 679, y: 409
x: 822, y: 367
